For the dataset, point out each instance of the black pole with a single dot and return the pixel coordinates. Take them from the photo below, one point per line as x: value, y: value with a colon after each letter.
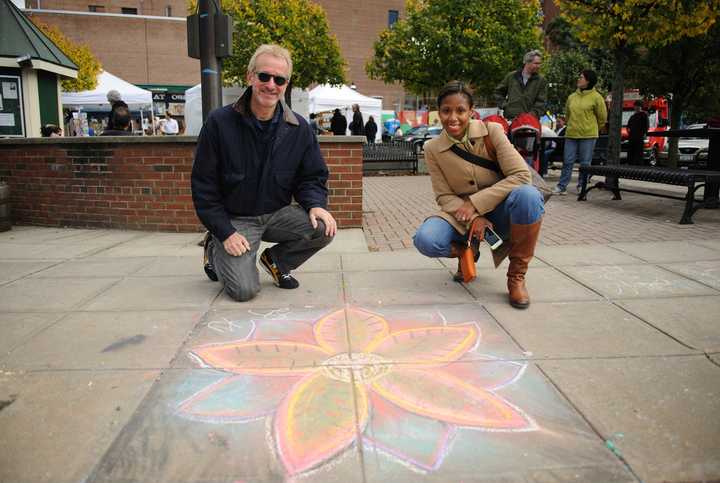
x: 210, y: 64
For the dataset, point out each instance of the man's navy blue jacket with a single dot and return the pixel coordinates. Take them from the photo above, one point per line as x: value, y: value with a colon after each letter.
x: 229, y: 179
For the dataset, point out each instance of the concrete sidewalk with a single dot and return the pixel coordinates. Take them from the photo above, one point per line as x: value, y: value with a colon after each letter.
x: 120, y: 361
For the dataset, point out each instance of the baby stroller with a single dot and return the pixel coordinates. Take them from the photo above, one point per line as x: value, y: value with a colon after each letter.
x: 496, y: 118
x: 525, y: 133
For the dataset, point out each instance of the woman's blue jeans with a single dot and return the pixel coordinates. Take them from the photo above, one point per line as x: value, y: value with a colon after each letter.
x: 580, y: 150
x: 523, y: 206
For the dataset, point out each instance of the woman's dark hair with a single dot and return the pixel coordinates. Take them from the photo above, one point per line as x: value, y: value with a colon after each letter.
x: 455, y: 87
x: 591, y: 77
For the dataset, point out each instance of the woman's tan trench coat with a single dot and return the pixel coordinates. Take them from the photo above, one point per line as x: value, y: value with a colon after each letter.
x: 455, y: 180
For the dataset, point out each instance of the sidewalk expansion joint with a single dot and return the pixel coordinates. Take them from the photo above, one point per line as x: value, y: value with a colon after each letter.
x: 604, y: 441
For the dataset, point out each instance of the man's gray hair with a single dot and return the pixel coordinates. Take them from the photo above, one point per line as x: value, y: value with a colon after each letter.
x: 530, y: 56
x: 275, y: 51
x: 113, y: 96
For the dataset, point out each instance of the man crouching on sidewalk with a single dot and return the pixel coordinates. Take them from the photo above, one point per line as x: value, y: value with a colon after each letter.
x: 252, y: 158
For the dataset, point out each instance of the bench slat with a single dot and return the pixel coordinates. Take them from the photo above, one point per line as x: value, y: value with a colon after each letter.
x: 397, y: 151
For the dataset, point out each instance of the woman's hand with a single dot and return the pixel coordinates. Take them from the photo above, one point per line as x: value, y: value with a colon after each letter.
x: 478, y: 227
x: 465, y: 213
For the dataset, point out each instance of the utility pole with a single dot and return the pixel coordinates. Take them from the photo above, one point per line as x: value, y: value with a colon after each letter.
x: 210, y: 64
x: 210, y: 40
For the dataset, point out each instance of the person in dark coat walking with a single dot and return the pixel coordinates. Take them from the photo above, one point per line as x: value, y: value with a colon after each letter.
x: 116, y: 102
x: 121, y: 123
x: 637, y: 126
x: 357, y: 124
x: 338, y: 123
x: 370, y: 130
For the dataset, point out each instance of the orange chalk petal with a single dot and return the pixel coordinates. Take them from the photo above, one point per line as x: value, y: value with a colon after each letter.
x: 439, y: 396
x: 317, y: 421
x: 263, y: 357
x: 431, y: 345
x: 349, y: 329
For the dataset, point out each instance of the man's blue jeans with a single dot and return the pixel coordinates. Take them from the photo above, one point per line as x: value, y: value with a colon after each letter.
x: 580, y: 150
x: 523, y: 206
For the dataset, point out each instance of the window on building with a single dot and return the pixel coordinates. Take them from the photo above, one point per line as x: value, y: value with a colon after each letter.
x: 393, y: 16
x: 168, y: 11
x: 96, y: 8
x: 128, y: 11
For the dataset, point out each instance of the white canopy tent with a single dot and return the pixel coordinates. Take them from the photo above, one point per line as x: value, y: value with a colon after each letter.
x: 133, y: 96
x: 96, y: 100
x: 327, y: 98
x: 193, y: 104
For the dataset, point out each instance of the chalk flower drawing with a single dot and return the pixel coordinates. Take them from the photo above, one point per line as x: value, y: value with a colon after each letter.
x: 402, y: 379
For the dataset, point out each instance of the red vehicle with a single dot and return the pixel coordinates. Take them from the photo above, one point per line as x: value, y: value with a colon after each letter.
x: 659, y: 117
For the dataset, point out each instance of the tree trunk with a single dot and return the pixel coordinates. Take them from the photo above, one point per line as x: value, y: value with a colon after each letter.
x: 676, y: 108
x: 615, y: 115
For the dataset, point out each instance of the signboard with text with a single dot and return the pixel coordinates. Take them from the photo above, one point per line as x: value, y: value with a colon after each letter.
x: 12, y: 120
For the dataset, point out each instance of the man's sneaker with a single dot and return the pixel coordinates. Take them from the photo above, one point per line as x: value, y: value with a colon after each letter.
x: 282, y: 280
x: 207, y: 254
x: 557, y: 191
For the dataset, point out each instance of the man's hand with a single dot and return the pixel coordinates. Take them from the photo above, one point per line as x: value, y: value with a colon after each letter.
x: 478, y: 227
x: 465, y: 213
x: 236, y: 244
x: 324, y: 215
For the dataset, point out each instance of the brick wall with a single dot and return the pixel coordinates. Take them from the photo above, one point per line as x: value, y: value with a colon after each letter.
x: 136, y: 49
x: 357, y: 26
x: 144, y: 7
x: 137, y: 183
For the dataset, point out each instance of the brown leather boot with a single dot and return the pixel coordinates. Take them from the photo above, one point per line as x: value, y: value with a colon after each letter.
x: 523, y: 239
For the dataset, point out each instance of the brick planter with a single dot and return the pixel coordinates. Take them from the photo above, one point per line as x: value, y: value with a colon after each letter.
x: 139, y: 183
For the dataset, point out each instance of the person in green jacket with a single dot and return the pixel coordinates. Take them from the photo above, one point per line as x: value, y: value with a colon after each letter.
x: 523, y: 90
x: 585, y: 114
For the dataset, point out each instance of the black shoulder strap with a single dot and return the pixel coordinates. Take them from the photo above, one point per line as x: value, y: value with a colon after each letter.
x: 475, y: 159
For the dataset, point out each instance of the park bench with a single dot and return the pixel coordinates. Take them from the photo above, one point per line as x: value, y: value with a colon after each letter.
x: 388, y: 156
x: 692, y: 179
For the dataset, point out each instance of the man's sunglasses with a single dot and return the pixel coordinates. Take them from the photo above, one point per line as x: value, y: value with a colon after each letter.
x: 265, y: 77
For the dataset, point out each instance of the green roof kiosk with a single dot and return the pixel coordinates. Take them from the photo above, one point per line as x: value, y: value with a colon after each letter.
x: 31, y: 68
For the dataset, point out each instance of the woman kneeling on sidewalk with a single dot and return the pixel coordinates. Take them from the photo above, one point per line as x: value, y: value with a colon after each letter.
x: 465, y: 191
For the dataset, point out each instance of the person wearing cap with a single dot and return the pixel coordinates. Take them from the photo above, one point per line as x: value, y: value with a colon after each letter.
x: 115, y: 100
x: 585, y: 115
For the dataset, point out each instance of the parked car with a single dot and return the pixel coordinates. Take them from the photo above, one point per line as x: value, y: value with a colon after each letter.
x: 692, y: 151
x: 419, y: 134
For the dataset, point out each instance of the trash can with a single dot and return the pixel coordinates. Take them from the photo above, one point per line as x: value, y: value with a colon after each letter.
x: 5, y: 223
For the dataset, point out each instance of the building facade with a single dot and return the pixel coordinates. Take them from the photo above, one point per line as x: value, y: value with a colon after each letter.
x: 145, y: 41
